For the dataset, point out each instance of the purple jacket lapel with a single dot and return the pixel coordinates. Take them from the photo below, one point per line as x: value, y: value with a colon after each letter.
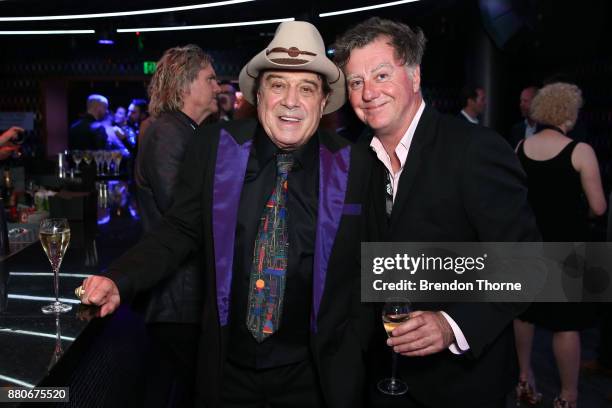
x: 230, y: 169
x: 333, y: 180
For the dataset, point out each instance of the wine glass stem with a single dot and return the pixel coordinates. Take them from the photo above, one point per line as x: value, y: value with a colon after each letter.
x: 56, y: 283
x: 393, y: 366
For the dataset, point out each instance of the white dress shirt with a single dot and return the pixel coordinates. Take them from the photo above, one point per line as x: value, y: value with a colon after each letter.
x: 471, y: 119
x: 529, y: 130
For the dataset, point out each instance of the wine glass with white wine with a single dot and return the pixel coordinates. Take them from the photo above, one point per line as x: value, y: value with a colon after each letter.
x: 54, y: 236
x: 395, y: 312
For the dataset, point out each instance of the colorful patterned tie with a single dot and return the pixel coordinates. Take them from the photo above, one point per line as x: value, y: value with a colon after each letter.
x: 267, y: 281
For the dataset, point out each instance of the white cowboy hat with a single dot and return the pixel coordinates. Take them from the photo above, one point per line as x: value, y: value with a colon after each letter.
x: 296, y: 46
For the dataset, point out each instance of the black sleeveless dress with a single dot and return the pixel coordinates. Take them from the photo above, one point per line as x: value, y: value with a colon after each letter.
x: 556, y: 197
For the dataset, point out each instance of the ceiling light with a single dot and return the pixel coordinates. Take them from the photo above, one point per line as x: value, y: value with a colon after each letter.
x: 201, y: 27
x: 372, y: 7
x: 37, y: 32
x: 126, y: 13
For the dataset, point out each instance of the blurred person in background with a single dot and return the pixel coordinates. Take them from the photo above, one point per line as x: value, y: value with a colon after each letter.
x: 227, y: 101
x: 527, y: 126
x: 560, y: 171
x: 137, y: 113
x: 183, y: 92
x: 86, y: 133
x: 120, y: 117
x: 474, y: 103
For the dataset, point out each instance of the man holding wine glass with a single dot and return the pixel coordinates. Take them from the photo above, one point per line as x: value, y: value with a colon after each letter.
x: 274, y: 207
x: 436, y: 179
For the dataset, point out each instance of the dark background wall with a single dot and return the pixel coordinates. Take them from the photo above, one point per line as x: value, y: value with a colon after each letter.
x: 500, y: 44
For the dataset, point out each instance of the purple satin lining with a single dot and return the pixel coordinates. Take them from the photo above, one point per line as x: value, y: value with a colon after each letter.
x: 333, y: 179
x: 230, y: 169
x: 352, y: 209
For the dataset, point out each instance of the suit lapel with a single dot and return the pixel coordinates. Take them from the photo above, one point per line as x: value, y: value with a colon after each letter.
x: 378, y: 199
x: 334, y: 164
x: 422, y: 136
x: 230, y: 168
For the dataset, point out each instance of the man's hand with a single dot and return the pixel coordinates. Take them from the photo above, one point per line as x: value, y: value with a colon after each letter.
x: 10, y: 134
x: 7, y: 151
x: 119, y: 132
x: 101, y: 291
x: 423, y: 334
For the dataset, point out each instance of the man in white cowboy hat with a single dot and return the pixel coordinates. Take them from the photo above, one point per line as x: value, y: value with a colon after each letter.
x: 275, y: 206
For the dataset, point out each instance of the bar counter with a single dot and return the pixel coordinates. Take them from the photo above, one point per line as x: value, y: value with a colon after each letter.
x: 100, y: 360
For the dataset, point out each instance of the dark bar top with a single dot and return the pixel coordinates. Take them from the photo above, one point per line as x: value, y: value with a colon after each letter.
x: 34, y: 346
x: 30, y: 341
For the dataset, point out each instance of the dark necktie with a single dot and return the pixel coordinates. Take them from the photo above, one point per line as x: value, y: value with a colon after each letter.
x: 388, y: 194
x: 267, y: 279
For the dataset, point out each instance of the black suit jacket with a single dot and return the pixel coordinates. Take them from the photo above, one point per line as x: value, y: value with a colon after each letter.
x: 517, y: 133
x: 203, y: 218
x: 179, y: 297
x: 460, y: 183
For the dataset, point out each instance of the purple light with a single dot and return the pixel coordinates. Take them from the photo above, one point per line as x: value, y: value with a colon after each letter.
x: 104, y: 220
x: 106, y: 42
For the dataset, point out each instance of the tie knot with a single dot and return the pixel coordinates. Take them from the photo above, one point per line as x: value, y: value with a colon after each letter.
x: 284, y: 161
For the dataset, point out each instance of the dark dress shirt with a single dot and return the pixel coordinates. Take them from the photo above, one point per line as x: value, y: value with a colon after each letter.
x: 290, y: 344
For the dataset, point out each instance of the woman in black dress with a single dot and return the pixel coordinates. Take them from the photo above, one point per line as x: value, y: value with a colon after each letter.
x: 561, y: 172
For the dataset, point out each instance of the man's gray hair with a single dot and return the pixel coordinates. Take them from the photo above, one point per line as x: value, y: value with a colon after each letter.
x: 409, y: 44
x: 95, y: 98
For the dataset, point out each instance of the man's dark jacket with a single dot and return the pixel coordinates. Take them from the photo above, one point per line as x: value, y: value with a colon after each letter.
x: 203, y: 218
x: 460, y: 183
x: 85, y: 135
x: 517, y: 133
x: 178, y: 298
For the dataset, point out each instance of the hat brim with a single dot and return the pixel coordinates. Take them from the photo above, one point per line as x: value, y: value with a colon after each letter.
x: 319, y: 65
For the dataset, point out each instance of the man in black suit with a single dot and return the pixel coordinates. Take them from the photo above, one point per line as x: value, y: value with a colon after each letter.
x: 85, y: 134
x: 437, y: 179
x: 527, y: 126
x: 183, y: 93
x: 308, y: 353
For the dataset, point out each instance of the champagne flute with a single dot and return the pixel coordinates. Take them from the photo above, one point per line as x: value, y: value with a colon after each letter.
x: 77, y: 156
x: 395, y: 312
x: 117, y: 156
x: 107, y: 157
x: 54, y: 236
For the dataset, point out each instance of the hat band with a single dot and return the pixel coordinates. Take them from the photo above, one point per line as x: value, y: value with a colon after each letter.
x: 289, y: 61
x: 291, y: 51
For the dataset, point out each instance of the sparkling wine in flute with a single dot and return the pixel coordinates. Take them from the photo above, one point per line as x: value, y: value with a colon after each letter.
x: 55, y: 245
x: 391, y: 321
x: 54, y: 234
x: 395, y: 312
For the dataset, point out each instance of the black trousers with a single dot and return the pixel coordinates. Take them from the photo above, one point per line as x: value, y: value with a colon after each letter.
x: 170, y: 370
x: 290, y: 386
x: 605, y: 344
